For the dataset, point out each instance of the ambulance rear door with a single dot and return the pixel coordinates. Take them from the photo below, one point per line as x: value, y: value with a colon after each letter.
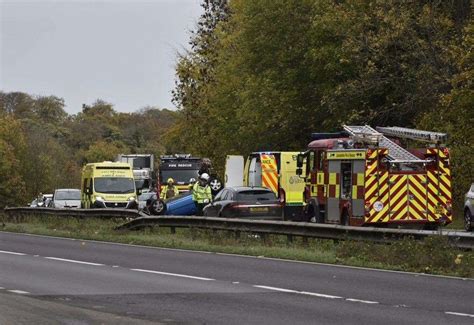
x: 234, y: 171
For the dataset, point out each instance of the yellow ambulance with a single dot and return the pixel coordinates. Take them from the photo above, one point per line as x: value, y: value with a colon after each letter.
x: 108, y: 185
x: 275, y: 170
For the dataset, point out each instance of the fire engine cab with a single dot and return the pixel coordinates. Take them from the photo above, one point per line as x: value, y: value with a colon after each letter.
x: 364, y: 177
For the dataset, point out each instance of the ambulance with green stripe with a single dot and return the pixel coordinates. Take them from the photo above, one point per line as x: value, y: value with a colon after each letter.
x: 275, y: 170
x: 108, y: 185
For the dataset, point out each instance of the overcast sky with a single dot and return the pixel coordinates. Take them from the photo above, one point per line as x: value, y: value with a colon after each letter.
x: 120, y: 51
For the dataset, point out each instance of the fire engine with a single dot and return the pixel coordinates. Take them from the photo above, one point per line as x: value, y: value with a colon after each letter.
x: 184, y: 167
x: 365, y: 177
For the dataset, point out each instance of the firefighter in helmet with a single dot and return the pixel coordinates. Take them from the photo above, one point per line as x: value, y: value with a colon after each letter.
x: 192, y: 181
x: 169, y: 190
x: 202, y: 194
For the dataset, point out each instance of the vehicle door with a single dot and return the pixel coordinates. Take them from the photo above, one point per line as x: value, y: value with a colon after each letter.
x: 255, y: 172
x: 292, y: 184
x: 269, y: 172
x: 234, y: 171
x: 213, y: 209
x: 227, y: 198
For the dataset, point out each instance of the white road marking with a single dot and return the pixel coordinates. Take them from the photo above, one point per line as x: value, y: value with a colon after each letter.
x: 12, y: 253
x: 2, y: 288
x: 362, y: 301
x: 315, y: 294
x: 276, y: 289
x: 21, y: 292
x: 174, y: 274
x: 72, y: 261
x: 321, y: 295
x: 458, y: 314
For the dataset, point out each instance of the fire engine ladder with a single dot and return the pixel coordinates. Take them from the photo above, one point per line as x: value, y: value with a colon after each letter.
x: 367, y: 134
x: 413, y: 134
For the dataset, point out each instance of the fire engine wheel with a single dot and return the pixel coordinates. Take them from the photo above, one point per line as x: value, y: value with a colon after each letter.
x: 216, y: 185
x: 467, y: 220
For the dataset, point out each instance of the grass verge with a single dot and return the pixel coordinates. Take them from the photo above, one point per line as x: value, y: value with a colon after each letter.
x: 433, y: 255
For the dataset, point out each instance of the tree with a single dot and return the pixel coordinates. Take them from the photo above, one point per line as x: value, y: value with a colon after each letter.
x: 456, y: 117
x: 12, y: 150
x: 103, y: 151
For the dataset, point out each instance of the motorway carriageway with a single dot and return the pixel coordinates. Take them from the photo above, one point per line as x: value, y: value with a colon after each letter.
x: 48, y: 280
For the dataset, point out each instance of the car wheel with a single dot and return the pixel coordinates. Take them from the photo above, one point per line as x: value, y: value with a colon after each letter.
x: 467, y: 220
x: 216, y: 185
x: 157, y: 207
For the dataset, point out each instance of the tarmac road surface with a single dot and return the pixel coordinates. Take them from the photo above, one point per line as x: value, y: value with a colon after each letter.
x: 47, y: 280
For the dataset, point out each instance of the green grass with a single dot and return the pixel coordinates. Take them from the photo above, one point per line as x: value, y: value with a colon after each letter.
x: 458, y: 220
x: 434, y: 255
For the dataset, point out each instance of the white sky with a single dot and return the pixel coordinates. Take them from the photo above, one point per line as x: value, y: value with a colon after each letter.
x: 123, y: 52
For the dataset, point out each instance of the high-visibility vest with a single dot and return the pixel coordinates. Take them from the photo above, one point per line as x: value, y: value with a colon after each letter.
x: 169, y: 192
x: 201, y: 193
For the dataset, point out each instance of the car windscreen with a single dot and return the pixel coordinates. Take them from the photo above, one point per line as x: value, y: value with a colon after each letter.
x: 67, y: 195
x: 179, y: 176
x: 116, y: 185
x: 256, y: 196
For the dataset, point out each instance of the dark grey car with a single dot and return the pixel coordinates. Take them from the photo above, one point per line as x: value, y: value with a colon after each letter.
x: 245, y: 202
x: 469, y: 209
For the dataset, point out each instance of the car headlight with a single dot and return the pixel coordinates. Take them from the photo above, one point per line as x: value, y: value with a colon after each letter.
x: 99, y: 198
x: 132, y: 198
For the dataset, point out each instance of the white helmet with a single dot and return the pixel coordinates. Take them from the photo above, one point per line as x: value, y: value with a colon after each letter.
x: 205, y: 177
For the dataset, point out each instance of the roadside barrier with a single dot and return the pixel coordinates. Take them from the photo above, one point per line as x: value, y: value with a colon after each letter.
x: 459, y: 239
x: 137, y: 220
x: 17, y: 214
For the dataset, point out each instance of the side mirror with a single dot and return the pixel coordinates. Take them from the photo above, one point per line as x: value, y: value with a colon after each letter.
x: 300, y: 160
x: 139, y: 191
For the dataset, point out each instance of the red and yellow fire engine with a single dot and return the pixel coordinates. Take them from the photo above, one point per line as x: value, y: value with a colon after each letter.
x: 364, y: 177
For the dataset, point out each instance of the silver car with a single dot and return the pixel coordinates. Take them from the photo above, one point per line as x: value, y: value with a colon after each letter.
x: 469, y: 209
x: 66, y: 198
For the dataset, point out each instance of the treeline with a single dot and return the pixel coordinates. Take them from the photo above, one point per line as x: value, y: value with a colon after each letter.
x: 42, y: 147
x: 263, y: 75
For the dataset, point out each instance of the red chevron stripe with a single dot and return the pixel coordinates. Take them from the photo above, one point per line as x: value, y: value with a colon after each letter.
x: 419, y: 214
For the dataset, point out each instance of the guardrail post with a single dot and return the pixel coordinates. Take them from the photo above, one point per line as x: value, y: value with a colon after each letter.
x: 173, y: 230
x: 289, y: 239
x: 237, y: 234
x: 305, y: 241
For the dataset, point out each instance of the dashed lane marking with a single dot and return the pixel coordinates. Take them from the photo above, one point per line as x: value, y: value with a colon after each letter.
x: 321, y: 295
x: 21, y: 292
x: 362, y: 301
x: 315, y: 294
x: 12, y: 253
x: 173, y: 274
x: 459, y: 314
x: 72, y: 261
x: 276, y: 289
